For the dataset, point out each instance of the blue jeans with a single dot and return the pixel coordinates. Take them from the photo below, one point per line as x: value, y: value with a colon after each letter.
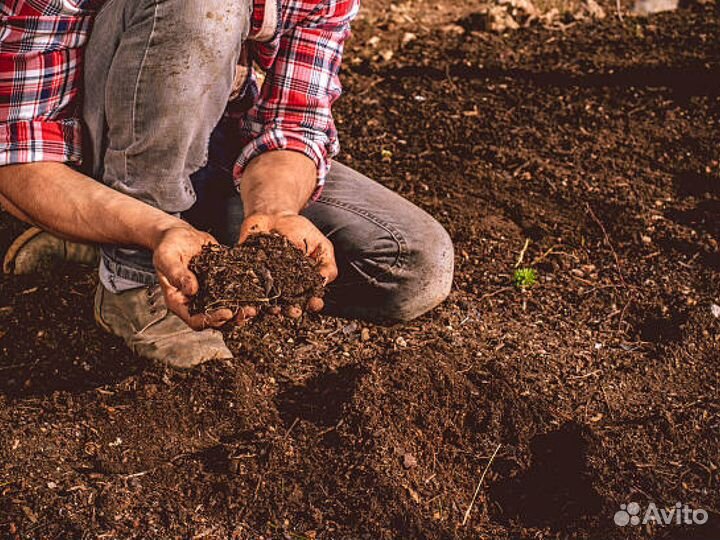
x: 158, y: 75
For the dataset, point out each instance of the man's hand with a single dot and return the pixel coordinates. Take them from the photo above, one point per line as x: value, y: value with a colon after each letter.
x: 304, y: 235
x: 177, y: 246
x: 275, y: 187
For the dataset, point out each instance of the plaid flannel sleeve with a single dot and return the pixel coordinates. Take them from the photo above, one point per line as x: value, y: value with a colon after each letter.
x: 40, y: 78
x: 293, y: 111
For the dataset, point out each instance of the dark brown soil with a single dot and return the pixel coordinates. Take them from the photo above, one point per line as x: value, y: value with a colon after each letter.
x: 265, y: 271
x: 597, y: 387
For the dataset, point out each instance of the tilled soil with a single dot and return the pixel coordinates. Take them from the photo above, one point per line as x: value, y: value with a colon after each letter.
x: 595, y: 388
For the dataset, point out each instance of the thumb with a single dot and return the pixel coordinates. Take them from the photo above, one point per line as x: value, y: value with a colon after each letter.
x: 254, y: 225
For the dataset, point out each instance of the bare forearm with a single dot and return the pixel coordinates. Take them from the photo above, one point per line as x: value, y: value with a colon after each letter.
x: 69, y: 204
x: 277, y: 183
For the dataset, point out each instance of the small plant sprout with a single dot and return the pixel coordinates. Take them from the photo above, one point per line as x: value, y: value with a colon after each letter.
x: 525, y: 278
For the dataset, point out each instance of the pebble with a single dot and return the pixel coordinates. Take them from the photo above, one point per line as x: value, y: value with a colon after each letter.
x: 409, y: 461
x: 365, y: 334
x: 408, y: 37
x: 715, y: 310
x: 400, y: 342
x: 350, y: 328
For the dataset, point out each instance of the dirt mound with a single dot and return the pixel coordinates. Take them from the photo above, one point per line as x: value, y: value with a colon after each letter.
x: 265, y: 271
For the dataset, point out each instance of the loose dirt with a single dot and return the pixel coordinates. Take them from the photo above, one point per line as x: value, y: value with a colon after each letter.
x: 600, y: 385
x: 266, y: 271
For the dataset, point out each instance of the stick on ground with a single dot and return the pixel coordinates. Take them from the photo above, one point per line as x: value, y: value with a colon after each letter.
x: 477, y: 489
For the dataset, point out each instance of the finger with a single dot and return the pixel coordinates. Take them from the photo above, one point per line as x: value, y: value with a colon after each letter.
x: 180, y: 277
x: 175, y: 300
x: 213, y: 319
x: 315, y: 304
x: 325, y: 255
x: 254, y: 225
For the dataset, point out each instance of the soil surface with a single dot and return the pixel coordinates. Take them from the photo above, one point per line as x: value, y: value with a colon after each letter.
x: 266, y: 271
x: 502, y: 414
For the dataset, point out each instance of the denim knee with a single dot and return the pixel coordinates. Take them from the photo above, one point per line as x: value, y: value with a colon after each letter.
x: 427, y: 276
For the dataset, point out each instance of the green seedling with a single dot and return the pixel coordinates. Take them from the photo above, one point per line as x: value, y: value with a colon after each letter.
x: 525, y: 278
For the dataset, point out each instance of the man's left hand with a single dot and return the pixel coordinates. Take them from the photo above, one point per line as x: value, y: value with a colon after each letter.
x: 301, y: 232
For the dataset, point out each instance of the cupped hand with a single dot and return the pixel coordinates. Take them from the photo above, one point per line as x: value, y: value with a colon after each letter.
x: 301, y: 232
x: 177, y: 246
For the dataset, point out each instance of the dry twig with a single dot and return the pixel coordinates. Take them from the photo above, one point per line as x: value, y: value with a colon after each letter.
x: 609, y: 243
x: 477, y: 489
x: 521, y: 257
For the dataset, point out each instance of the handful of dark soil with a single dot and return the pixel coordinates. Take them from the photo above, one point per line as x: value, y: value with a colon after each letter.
x: 265, y: 271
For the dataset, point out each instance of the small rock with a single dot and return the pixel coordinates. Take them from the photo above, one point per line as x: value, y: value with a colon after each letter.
x: 499, y: 20
x: 594, y: 9
x: 350, y: 328
x: 365, y: 334
x: 408, y: 37
x: 452, y: 29
x: 715, y: 310
x: 645, y: 7
x: 117, y: 442
x: 409, y: 461
x: 51, y: 485
x: 522, y: 7
x: 387, y: 54
x: 400, y: 342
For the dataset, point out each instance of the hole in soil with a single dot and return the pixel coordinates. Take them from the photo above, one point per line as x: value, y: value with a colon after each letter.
x: 322, y: 399
x: 692, y: 184
x: 710, y: 259
x: 557, y: 489
x: 662, y: 329
x: 705, y: 217
x: 215, y: 459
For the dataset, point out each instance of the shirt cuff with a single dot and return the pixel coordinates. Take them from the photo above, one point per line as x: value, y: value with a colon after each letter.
x: 278, y: 139
x: 31, y: 141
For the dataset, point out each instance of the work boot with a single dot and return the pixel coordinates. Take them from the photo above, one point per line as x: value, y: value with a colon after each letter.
x: 142, y: 319
x: 36, y: 251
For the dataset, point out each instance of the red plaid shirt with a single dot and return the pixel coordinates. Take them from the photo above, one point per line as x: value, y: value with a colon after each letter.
x: 299, y: 43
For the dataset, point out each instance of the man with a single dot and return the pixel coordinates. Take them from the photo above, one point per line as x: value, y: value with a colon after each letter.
x: 123, y: 123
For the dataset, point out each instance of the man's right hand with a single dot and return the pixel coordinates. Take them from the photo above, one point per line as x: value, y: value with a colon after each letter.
x: 172, y: 255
